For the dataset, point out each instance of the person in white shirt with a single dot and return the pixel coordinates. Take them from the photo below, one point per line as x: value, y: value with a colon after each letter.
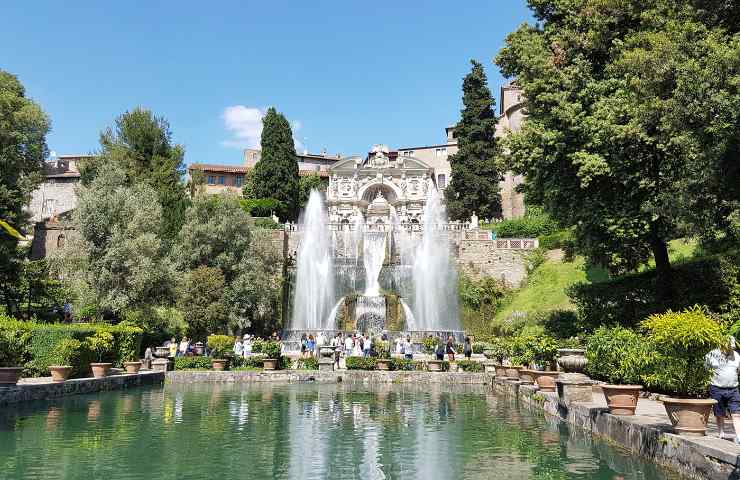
x: 247, y: 346
x: 724, y: 363
x: 238, y: 347
x: 367, y: 345
x: 348, y: 344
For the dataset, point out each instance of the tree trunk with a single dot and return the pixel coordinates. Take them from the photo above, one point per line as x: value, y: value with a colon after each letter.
x: 663, y: 273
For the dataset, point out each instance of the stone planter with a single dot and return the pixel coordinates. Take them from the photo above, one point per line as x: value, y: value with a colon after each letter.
x: 572, y: 360
x: 132, y: 367
x: 513, y: 372
x: 621, y: 399
x: 546, y: 380
x: 489, y: 367
x: 162, y: 352
x: 100, y: 369
x: 270, y: 364
x: 434, y: 365
x: 60, y: 373
x: 526, y: 375
x: 500, y: 371
x: 688, y: 416
x: 383, y: 364
x: 219, y: 364
x: 9, y: 375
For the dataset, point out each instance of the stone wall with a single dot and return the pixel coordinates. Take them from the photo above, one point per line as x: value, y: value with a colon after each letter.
x: 482, y: 258
x: 346, y: 376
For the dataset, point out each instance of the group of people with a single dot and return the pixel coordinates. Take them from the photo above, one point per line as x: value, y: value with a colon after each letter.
x: 352, y: 346
x: 183, y: 348
x: 243, y: 346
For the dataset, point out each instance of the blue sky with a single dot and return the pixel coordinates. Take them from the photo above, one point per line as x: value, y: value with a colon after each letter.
x: 346, y: 74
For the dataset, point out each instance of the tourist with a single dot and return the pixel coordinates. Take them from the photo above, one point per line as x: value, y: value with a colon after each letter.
x: 357, y: 349
x: 148, y: 356
x: 724, y: 363
x: 337, y: 343
x: 247, y: 344
x: 467, y: 348
x: 367, y: 345
x: 408, y: 349
x: 304, y: 345
x: 311, y: 346
x: 184, y: 345
x: 450, y: 349
x: 173, y: 347
x: 349, y: 343
x: 320, y: 341
x: 399, y: 345
x: 238, y: 347
x: 67, y: 309
x: 440, y: 350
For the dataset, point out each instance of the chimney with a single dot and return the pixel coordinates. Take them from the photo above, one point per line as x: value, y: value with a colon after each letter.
x: 323, y: 152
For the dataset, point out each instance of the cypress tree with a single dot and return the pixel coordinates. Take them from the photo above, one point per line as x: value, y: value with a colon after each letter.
x: 474, y: 186
x: 276, y: 174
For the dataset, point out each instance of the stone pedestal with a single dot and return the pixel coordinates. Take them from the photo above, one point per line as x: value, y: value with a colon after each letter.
x: 574, y: 387
x: 489, y: 367
x: 326, y: 364
x: 161, y: 365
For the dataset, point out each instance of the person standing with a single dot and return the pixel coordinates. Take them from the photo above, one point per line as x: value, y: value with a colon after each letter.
x: 440, y: 351
x: 367, y: 345
x: 247, y: 344
x: 304, y: 345
x: 408, y: 349
x: 173, y: 347
x: 184, y: 344
x: 450, y: 349
x: 348, y: 345
x: 311, y: 346
x: 238, y: 347
x: 724, y: 363
x: 467, y: 348
x: 338, y: 344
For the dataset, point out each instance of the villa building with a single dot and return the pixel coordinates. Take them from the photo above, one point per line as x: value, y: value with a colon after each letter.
x: 56, y: 194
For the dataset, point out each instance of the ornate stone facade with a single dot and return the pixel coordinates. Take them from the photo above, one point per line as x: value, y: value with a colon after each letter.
x: 378, y: 189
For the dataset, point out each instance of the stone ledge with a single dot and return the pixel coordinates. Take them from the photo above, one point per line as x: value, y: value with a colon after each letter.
x: 647, y: 434
x: 350, y: 376
x: 39, y: 390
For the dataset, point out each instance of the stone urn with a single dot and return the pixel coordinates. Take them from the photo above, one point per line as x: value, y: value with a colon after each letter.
x: 434, y: 365
x: 688, y: 416
x: 327, y: 351
x: 513, y: 372
x: 10, y: 375
x: 162, y: 352
x: 383, y: 364
x: 572, y: 360
x: 219, y: 364
x: 546, y: 380
x: 100, y: 369
x: 60, y: 373
x: 132, y: 367
x: 526, y: 375
x: 621, y: 399
x: 270, y: 364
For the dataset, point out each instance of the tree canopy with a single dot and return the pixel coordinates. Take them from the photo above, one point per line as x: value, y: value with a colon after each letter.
x: 276, y: 173
x: 632, y: 130
x: 474, y: 184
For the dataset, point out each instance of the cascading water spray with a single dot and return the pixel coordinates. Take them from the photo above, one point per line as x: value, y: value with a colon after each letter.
x: 314, y: 289
x: 373, y: 256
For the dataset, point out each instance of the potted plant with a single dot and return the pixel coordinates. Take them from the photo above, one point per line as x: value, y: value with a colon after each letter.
x: 384, y: 355
x: 221, y: 347
x: 132, y: 367
x: 680, y: 340
x: 618, y: 356
x: 12, y: 346
x: 272, y: 350
x: 100, y: 343
x: 66, y: 354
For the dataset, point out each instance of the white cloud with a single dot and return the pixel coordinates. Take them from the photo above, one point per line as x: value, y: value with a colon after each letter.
x: 245, y: 126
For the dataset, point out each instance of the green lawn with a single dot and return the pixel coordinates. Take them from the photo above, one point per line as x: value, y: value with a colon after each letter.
x: 545, y: 289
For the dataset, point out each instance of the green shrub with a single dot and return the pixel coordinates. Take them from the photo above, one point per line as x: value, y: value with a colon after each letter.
x: 499, y: 349
x: 361, y: 363
x: 271, y: 349
x: 250, y: 362
x: 710, y: 281
x: 267, y: 223
x: 101, y: 344
x: 560, y: 323
x: 404, y: 364
x: 480, y: 347
x: 680, y: 340
x: 220, y: 345
x: 470, y: 366
x: 192, y: 363
x: 430, y: 344
x: 310, y: 363
x: 617, y: 355
x: 558, y: 239
x: 534, y: 348
x: 13, y: 346
x: 535, y: 223
x: 262, y: 207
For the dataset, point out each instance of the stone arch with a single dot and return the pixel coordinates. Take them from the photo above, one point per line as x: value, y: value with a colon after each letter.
x: 389, y: 190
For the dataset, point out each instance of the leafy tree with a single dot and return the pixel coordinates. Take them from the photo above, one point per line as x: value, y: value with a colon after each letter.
x: 276, y: 174
x: 141, y: 144
x: 308, y: 183
x: 248, y: 188
x: 202, y: 297
x: 632, y: 129
x: 23, y: 129
x: 475, y: 176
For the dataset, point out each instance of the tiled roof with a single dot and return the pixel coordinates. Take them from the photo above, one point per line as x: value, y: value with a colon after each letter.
x: 209, y: 167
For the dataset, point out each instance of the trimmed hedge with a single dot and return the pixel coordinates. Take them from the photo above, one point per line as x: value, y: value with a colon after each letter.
x: 191, y: 363
x: 47, y: 344
x: 710, y: 281
x: 470, y: 366
x: 361, y: 363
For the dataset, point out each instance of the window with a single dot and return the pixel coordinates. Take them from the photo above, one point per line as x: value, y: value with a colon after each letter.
x: 211, y: 180
x: 221, y: 180
x: 440, y: 152
x: 441, y: 181
x: 408, y: 153
x: 239, y: 180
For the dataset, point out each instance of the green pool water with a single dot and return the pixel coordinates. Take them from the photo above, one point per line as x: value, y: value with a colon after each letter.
x: 300, y: 432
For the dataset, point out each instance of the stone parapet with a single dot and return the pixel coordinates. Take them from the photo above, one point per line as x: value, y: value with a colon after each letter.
x: 347, y: 376
x: 45, y: 390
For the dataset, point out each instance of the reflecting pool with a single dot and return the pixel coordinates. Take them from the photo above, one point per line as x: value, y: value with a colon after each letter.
x: 304, y: 431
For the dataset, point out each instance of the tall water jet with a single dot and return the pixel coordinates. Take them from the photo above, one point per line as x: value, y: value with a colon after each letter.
x: 373, y: 255
x: 314, y: 289
x: 435, y: 279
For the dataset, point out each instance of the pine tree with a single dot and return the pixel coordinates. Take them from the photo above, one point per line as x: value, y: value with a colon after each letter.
x: 474, y: 186
x: 276, y: 174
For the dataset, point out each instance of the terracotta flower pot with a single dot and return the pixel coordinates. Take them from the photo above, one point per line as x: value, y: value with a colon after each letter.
x: 621, y: 399
x: 219, y: 364
x: 383, y: 364
x: 546, y: 380
x: 9, y: 375
x: 270, y: 364
x: 434, y: 365
x: 689, y: 416
x: 513, y: 372
x: 100, y: 370
x: 60, y: 373
x: 526, y: 375
x: 132, y: 367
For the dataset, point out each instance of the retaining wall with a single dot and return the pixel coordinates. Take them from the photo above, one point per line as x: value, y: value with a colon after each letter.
x: 349, y: 376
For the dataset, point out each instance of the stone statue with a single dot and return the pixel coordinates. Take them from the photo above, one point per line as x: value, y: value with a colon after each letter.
x: 425, y: 184
x: 403, y: 184
x: 474, y: 222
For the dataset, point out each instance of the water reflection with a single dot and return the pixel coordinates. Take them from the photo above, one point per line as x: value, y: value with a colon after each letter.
x: 302, y: 432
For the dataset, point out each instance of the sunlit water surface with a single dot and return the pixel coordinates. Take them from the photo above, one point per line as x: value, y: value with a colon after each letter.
x: 300, y: 432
